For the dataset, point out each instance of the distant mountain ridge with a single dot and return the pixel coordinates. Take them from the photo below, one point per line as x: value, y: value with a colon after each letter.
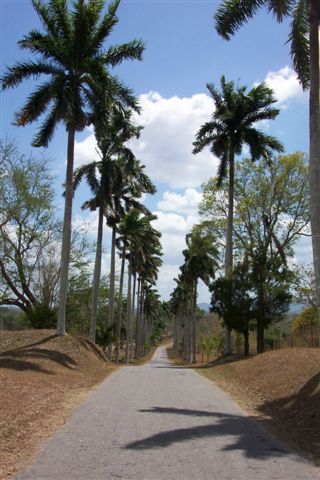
x: 204, y: 306
x: 293, y: 309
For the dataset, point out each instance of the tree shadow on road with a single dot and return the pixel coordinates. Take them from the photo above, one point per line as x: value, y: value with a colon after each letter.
x: 245, y: 434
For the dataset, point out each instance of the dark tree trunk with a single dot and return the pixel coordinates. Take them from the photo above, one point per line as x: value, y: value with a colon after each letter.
x: 229, y: 245
x: 66, y: 236
x: 314, y: 142
x: 133, y: 313
x: 246, y: 342
x: 194, y: 324
x: 260, y: 318
x: 137, y: 349
x: 96, y: 278
x: 120, y: 302
x: 129, y: 310
x: 112, y: 286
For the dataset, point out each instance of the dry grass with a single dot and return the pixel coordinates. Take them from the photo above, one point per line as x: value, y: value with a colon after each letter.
x: 42, y: 378
x: 281, y: 389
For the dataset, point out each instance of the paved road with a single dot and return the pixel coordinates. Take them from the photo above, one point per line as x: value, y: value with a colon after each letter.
x: 160, y: 422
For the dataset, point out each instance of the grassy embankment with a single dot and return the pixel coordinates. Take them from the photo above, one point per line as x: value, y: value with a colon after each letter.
x: 42, y: 378
x: 280, y: 389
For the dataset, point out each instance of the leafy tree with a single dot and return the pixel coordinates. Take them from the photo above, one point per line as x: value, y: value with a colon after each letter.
x: 233, y: 126
x: 304, y: 40
x: 271, y: 212
x: 306, y: 324
x: 29, y: 231
x: 232, y: 300
x: 70, y: 54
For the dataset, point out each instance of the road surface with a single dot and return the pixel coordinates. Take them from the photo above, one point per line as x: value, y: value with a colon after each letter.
x: 161, y: 422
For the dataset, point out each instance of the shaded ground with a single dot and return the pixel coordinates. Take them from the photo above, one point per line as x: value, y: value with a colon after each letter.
x: 282, y: 389
x: 42, y: 377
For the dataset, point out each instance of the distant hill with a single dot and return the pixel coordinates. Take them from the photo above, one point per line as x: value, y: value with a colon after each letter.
x: 204, y: 306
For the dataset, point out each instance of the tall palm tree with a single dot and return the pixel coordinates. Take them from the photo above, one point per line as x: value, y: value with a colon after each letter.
x: 304, y: 39
x: 200, y: 263
x: 112, y: 129
x: 146, y: 263
x: 232, y: 126
x: 70, y: 54
x: 132, y: 183
x: 132, y: 229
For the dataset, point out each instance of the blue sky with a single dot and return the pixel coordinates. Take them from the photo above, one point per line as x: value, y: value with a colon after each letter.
x: 183, y: 53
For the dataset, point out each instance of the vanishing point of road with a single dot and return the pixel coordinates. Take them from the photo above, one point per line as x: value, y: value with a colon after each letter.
x: 162, y: 422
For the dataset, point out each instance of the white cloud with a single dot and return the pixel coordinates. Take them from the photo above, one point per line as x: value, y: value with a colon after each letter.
x: 285, y: 84
x: 165, y: 146
x: 186, y: 203
x: 303, y: 250
x: 85, y: 151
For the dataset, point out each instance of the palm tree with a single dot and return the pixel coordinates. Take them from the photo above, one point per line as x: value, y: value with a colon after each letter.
x: 233, y: 126
x: 200, y: 262
x: 132, y: 230
x: 304, y: 39
x: 146, y: 263
x: 128, y: 188
x: 112, y: 129
x: 69, y: 53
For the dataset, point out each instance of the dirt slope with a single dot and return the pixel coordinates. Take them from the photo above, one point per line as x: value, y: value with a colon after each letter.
x: 42, y: 377
x: 281, y: 388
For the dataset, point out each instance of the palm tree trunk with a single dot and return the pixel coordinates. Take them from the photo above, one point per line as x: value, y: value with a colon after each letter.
x: 314, y: 147
x: 66, y: 236
x: 96, y: 278
x: 133, y: 314
x: 112, y: 286
x: 142, y: 321
x: 120, y: 302
x: 138, y: 319
x: 229, y: 245
x: 194, y: 324
x: 129, y: 309
x: 246, y: 351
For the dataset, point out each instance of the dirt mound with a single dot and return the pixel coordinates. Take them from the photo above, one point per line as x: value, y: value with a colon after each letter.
x: 282, y: 389
x: 42, y: 377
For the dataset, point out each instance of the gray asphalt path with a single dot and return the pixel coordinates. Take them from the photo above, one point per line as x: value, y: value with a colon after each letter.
x: 160, y: 422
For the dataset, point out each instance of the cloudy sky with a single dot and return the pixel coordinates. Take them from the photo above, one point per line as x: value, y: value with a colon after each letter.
x: 183, y: 53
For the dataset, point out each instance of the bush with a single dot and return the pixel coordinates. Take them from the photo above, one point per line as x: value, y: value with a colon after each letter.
x: 42, y: 317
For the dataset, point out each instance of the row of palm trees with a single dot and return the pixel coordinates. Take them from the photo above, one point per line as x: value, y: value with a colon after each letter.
x: 233, y: 122
x: 78, y: 89
x: 117, y: 180
x: 305, y: 53
x: 233, y: 125
x: 200, y: 262
x: 81, y: 90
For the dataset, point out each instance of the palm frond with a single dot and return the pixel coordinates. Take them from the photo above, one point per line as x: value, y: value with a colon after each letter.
x: 106, y: 26
x: 222, y: 169
x: 59, y: 11
x: 299, y: 39
x: 43, y: 12
x: 38, y: 101
x: 280, y: 8
x: 47, y: 129
x: 127, y: 51
x: 232, y: 14
x: 25, y: 70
